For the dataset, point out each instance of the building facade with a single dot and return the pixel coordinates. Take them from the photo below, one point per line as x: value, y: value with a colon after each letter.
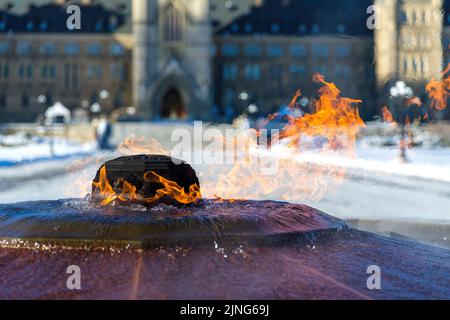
x: 191, y: 59
x: 409, y: 43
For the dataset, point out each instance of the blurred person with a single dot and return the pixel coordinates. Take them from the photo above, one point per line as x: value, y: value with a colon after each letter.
x: 103, y: 131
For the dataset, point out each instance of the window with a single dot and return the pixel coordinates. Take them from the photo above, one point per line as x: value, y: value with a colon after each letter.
x: 47, y: 49
x: 253, y: 50
x: 298, y: 50
x: 228, y: 97
x: 342, y: 71
x: 275, y: 78
x: 341, y: 28
x: 297, y: 69
x: 94, y: 49
x: 302, y: 28
x: 274, y: 50
x: 48, y: 71
x: 230, y: 72
x: 230, y: 50
x: 172, y: 24
x: 114, y: 71
x: 275, y: 28
x: 3, y: 100
x: 30, y: 25
x: 315, y: 28
x: 25, y: 71
x: 25, y: 100
x: 252, y: 72
x: 113, y: 22
x: 4, y: 47
x: 234, y: 27
x: 72, y: 49
x: 30, y: 71
x: 90, y: 71
x: 98, y: 26
x: 21, y: 71
x: 116, y: 49
x: 43, y: 26
x: 44, y: 71
x: 23, y: 48
x: 5, y: 71
x: 343, y: 51
x: 118, y: 99
x: 320, y: 51
x: 213, y: 50
x: 52, y: 71
x: 248, y: 27
x: 322, y: 69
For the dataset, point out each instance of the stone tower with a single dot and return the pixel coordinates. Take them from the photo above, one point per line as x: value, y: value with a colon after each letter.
x: 172, y: 58
x: 408, y: 43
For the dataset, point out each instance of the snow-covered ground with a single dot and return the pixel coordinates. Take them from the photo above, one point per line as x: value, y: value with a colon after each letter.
x: 20, y: 149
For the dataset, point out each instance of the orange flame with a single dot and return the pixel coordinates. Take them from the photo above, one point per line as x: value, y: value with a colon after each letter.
x: 387, y: 115
x: 169, y: 188
x: 335, y: 122
x: 133, y: 145
x: 438, y: 90
x: 413, y: 101
x: 335, y: 118
x: 331, y: 127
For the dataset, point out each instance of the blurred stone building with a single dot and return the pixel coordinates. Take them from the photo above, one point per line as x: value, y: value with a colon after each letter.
x: 409, y: 44
x: 39, y: 56
x: 202, y: 58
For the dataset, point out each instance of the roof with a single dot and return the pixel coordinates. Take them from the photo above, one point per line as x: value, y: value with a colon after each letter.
x: 307, y: 17
x: 49, y: 17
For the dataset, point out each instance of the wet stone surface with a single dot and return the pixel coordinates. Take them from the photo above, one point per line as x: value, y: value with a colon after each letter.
x: 239, y: 250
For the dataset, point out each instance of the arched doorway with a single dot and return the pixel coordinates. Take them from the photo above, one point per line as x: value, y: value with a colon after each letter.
x: 172, y: 105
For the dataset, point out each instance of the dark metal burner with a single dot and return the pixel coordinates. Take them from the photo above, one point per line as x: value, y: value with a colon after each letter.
x: 133, y: 168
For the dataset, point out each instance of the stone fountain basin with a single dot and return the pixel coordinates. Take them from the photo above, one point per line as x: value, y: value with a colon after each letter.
x: 223, y: 250
x: 72, y: 220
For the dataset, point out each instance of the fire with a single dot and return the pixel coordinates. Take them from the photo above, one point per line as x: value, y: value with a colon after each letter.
x: 387, y: 115
x: 129, y: 192
x: 301, y: 152
x: 172, y: 190
x: 331, y: 128
x: 335, y: 118
x: 134, y: 145
x: 438, y: 90
x: 413, y: 101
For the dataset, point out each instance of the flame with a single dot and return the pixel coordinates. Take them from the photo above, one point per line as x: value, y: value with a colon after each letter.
x: 169, y: 188
x: 438, y: 90
x: 137, y: 145
x: 387, y: 115
x: 335, y: 118
x: 334, y: 124
x: 299, y: 149
x: 413, y: 101
x: 172, y: 190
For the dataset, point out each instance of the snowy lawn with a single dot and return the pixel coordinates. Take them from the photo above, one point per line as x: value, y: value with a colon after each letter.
x: 15, y: 150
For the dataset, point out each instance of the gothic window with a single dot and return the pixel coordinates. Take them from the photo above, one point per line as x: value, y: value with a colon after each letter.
x: 172, y: 24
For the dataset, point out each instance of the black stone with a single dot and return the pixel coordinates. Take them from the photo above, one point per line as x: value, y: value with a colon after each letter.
x: 133, y: 168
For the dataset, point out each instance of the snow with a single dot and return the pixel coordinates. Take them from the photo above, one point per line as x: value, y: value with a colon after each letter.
x: 20, y: 149
x: 57, y: 110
